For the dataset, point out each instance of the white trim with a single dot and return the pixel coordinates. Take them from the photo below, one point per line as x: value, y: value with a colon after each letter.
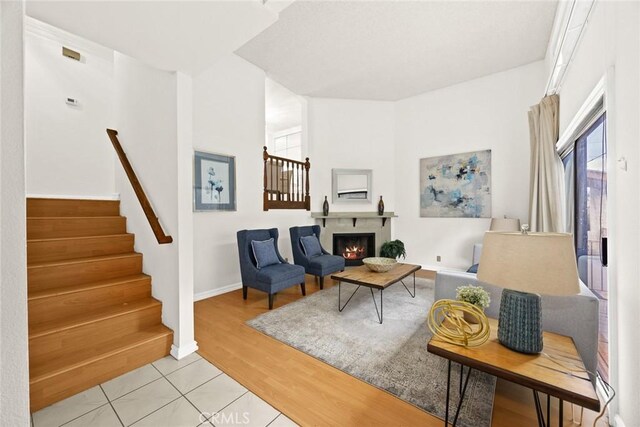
x: 113, y: 196
x: 584, y: 24
x: 564, y: 23
x: 559, y: 23
x: 613, y: 230
x: 217, y: 291
x: 564, y: 10
x: 183, y: 351
x: 569, y: 134
x: 617, y: 421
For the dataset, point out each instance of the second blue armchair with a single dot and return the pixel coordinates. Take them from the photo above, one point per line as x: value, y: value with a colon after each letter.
x: 319, y: 265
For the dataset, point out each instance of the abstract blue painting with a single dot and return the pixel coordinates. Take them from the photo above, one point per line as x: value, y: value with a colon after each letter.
x: 456, y: 186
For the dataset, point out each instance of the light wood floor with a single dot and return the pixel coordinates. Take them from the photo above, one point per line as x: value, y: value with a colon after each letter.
x: 309, y: 391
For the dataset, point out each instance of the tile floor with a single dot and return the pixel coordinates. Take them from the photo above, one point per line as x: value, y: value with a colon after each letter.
x: 166, y: 393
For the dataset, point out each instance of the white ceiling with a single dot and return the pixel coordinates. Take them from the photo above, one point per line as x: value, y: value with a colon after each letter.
x: 390, y: 50
x: 187, y: 36
x: 283, y: 108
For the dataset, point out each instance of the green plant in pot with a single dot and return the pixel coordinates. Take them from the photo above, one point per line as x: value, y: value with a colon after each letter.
x: 475, y: 295
x: 393, y: 249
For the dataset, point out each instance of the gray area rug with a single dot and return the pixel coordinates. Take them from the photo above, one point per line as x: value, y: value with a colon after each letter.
x: 392, y: 356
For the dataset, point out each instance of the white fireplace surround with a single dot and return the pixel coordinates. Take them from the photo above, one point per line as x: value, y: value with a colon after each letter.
x: 354, y: 222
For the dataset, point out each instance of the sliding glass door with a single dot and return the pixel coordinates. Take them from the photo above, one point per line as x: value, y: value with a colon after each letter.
x: 586, y: 180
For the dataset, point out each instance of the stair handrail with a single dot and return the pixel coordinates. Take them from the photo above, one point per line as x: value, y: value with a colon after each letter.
x: 161, y: 237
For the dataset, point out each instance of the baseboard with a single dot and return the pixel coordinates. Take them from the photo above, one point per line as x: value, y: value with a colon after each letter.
x: 218, y: 291
x: 183, y: 351
x: 617, y: 421
x: 113, y: 196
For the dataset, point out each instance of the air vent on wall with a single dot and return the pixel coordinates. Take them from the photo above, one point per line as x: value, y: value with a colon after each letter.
x: 70, y: 53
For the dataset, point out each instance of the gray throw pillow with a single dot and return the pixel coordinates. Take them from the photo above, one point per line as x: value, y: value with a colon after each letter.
x: 311, y: 245
x: 264, y: 253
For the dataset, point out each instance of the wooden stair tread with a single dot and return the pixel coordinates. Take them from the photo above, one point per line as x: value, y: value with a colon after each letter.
x: 84, y: 260
x: 42, y: 329
x: 64, y: 290
x: 56, y: 366
x: 56, y: 239
x: 49, y: 218
x: 39, y: 206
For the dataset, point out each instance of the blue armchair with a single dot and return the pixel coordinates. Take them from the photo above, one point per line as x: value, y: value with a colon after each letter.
x: 320, y: 265
x: 269, y: 279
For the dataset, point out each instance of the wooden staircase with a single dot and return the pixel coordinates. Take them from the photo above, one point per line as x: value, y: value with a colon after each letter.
x: 91, y: 314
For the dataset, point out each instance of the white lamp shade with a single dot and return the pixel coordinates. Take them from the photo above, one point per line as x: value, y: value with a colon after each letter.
x: 541, y: 263
x: 505, y: 224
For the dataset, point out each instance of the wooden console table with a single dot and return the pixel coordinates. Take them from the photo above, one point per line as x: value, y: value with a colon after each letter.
x: 558, y: 371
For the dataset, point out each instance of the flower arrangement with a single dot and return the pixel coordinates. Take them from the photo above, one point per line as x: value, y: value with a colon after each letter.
x: 475, y: 295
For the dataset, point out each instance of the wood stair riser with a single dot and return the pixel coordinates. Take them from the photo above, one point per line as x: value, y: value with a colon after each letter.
x: 72, y: 207
x: 61, y: 386
x: 73, y: 273
x: 60, y: 306
x: 82, y: 247
x: 51, y: 228
x: 93, y: 334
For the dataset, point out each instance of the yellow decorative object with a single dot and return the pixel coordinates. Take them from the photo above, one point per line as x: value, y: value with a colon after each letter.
x: 446, y: 321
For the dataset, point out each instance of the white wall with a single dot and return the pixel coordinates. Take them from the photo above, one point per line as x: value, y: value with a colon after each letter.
x: 611, y: 48
x: 146, y: 102
x: 486, y: 113
x: 67, y: 149
x: 14, y: 359
x: 350, y: 134
x: 229, y: 118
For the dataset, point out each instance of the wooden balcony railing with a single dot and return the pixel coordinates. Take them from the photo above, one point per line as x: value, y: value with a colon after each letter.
x: 286, y: 183
x: 161, y: 237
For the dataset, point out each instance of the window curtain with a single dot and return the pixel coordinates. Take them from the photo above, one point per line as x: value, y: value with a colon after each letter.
x: 546, y: 207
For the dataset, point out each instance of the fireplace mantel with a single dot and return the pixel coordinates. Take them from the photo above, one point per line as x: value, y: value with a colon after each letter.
x: 354, y: 222
x: 353, y: 216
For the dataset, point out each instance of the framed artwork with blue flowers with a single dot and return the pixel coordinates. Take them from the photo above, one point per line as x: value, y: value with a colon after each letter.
x: 214, y: 186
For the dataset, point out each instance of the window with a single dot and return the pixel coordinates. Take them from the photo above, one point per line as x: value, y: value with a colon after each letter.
x: 288, y: 146
x: 586, y: 185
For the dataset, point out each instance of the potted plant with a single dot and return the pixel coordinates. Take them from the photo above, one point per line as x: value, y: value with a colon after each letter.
x: 475, y: 295
x: 393, y: 249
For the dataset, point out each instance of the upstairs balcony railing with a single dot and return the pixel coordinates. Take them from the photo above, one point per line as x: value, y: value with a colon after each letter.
x: 286, y: 183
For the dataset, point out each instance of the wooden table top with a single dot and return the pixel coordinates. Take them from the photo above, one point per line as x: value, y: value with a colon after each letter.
x: 549, y: 372
x: 363, y: 276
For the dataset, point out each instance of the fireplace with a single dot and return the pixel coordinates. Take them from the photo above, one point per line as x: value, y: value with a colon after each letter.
x: 354, y: 246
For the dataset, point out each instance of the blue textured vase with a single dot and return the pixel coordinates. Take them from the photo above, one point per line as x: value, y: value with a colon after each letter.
x: 520, y: 321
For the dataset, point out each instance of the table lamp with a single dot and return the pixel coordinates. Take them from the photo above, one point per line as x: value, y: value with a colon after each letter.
x: 504, y: 224
x: 527, y: 266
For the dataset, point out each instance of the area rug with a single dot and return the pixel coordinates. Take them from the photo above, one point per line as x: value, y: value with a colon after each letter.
x: 391, y: 356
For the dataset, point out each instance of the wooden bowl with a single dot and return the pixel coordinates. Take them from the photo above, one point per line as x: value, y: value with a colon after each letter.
x: 379, y: 264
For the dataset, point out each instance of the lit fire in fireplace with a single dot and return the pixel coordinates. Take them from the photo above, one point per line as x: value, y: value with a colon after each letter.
x: 353, y: 252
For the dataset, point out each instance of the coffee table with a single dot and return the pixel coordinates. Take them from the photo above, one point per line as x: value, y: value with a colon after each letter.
x: 362, y: 276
